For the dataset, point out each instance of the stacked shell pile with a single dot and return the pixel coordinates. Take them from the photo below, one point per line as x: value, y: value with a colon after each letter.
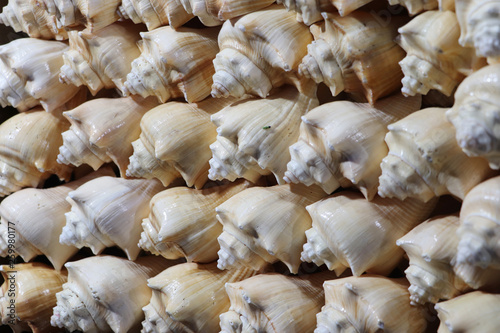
x: 251, y: 166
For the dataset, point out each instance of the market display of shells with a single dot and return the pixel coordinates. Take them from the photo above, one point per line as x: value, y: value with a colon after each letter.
x: 241, y: 166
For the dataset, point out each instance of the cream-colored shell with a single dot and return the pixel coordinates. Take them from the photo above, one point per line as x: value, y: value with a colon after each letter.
x: 28, y: 150
x: 253, y: 135
x: 108, y: 211
x: 475, y: 312
x: 101, y: 60
x: 106, y: 294
x: 476, y: 114
x: 274, y: 303
x: 174, y: 63
x: 425, y: 161
x: 175, y: 141
x: 342, y: 143
x: 351, y: 232
x: 189, y: 298
x: 32, y: 288
x: 369, y: 304
x: 29, y: 70
x: 150, y: 12
x: 102, y: 131
x: 434, y: 58
x: 182, y: 222
x: 355, y: 54
x: 32, y: 220
x: 259, y: 51
x: 264, y: 225
x: 431, y: 248
x: 28, y: 17
x: 416, y: 6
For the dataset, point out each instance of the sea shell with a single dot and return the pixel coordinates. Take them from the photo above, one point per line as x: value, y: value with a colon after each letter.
x: 355, y: 54
x: 425, y: 161
x: 28, y: 150
x: 480, y: 27
x: 93, y: 15
x: 28, y: 295
x: 309, y: 11
x: 32, y: 220
x: 189, y: 298
x: 474, y: 312
x: 103, y: 59
x: 431, y: 248
x: 254, y: 135
x: 182, y: 222
x: 476, y: 115
x: 259, y: 51
x: 416, y: 6
x: 29, y: 70
x: 369, y: 304
x: 175, y: 141
x: 103, y: 218
x: 106, y: 294
x: 150, y: 12
x: 102, y: 131
x: 342, y: 143
x: 160, y: 71
x: 434, y: 58
x: 274, y: 303
x: 265, y: 225
x: 28, y: 17
x: 351, y: 232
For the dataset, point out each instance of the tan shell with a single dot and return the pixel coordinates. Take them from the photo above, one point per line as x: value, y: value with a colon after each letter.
x: 259, y: 51
x: 355, y: 54
x: 160, y: 71
x: 416, y: 6
x: 342, y: 143
x: 29, y: 70
x: 189, y: 298
x: 28, y: 150
x: 265, y: 225
x: 102, y: 131
x: 182, y: 222
x: 309, y: 11
x: 369, y: 304
x: 101, y: 60
x: 351, y: 232
x: 254, y: 135
x: 425, y: 161
x: 175, y: 141
x: 31, y: 288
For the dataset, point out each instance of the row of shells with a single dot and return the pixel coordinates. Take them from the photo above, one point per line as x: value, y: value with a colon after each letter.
x: 287, y: 105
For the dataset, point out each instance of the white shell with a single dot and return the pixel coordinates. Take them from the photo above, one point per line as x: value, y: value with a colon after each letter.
x: 416, y: 6
x: 309, y: 11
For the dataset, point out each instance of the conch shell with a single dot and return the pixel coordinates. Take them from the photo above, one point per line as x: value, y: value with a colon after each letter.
x: 182, y: 222
x: 342, y: 143
x: 264, y: 225
x: 259, y: 51
x: 369, y: 304
x: 434, y: 58
x: 160, y: 71
x: 476, y: 114
x: 425, y: 161
x: 189, y: 298
x: 32, y: 220
x: 102, y: 59
x: 351, y: 232
x: 254, y: 135
x: 431, y: 248
x: 309, y: 11
x: 28, y: 17
x: 29, y: 70
x: 106, y: 294
x: 355, y: 54
x: 416, y: 6
x: 28, y: 295
x: 475, y: 312
x: 102, y: 131
x: 274, y: 303
x: 175, y: 141
x: 28, y: 150
x: 100, y: 219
